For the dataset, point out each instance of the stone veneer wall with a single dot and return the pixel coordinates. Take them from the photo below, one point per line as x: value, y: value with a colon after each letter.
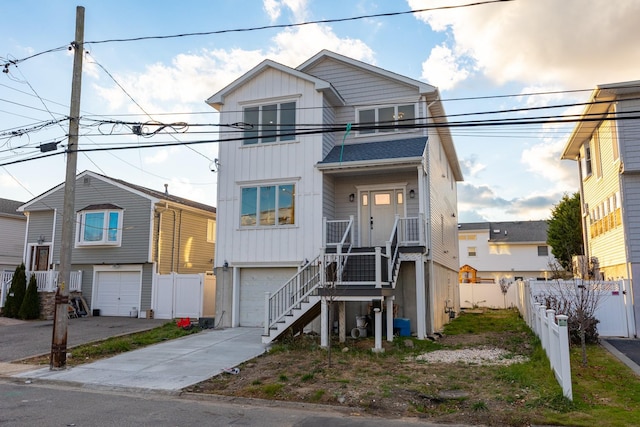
x: 48, y: 303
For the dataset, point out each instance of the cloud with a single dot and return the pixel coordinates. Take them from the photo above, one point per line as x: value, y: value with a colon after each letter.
x: 573, y: 43
x: 159, y: 157
x: 471, y: 167
x: 274, y: 9
x: 477, y: 202
x: 443, y: 68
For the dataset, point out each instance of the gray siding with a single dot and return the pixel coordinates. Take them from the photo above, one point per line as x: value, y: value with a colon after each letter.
x: 12, y: 241
x: 629, y: 134
x: 41, y: 224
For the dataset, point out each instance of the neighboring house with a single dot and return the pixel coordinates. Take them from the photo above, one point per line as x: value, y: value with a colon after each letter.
x: 124, y: 234
x: 491, y: 251
x: 12, y: 228
x: 335, y: 172
x: 606, y: 148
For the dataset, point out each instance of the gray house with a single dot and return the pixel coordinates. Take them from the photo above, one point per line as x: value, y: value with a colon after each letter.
x: 340, y: 185
x: 12, y: 227
x: 124, y: 234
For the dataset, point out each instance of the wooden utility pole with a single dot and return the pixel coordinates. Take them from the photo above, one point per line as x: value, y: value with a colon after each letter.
x: 59, y: 340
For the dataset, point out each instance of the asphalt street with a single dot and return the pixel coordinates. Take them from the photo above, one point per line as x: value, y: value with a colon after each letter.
x: 52, y: 405
x: 22, y: 339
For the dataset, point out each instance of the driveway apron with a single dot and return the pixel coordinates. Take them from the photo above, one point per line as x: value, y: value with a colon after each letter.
x: 168, y: 366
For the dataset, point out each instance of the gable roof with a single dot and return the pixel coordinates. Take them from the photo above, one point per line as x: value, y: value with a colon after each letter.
x: 9, y: 208
x: 153, y: 195
x: 217, y: 99
x: 510, y: 231
x: 396, y: 151
x: 602, y: 97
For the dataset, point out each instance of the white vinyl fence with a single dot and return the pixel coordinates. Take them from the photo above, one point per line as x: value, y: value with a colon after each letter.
x: 614, y: 310
x: 183, y: 295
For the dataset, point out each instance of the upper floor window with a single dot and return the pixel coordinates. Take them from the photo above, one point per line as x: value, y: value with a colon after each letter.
x: 99, y: 225
x: 386, y: 119
x: 268, y: 206
x: 585, y: 160
x: 211, y: 231
x: 471, y: 251
x: 270, y: 123
x: 543, y: 250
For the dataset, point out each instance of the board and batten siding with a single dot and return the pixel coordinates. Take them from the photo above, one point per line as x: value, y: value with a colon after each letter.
x: 271, y: 163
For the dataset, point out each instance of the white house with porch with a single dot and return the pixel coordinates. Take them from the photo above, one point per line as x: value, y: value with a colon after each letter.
x: 337, y: 183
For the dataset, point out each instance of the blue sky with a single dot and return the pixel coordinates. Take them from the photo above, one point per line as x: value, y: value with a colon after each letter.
x: 487, y: 51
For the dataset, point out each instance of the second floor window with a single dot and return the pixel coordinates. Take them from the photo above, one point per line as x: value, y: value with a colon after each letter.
x: 268, y: 206
x: 270, y: 123
x: 543, y: 250
x: 385, y: 119
x: 99, y: 227
x: 471, y: 251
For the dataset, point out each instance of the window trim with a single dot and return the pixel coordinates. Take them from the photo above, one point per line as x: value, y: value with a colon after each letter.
x: 278, y: 127
x: 211, y: 230
x: 276, y: 222
x: 80, y: 229
x: 376, y: 117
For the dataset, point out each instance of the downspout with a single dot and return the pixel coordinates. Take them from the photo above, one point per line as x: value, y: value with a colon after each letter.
x: 53, y: 238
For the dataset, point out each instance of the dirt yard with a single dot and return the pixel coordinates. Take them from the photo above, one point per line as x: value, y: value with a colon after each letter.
x: 472, y: 378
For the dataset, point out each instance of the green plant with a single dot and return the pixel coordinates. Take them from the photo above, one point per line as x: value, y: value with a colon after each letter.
x: 30, y: 308
x: 317, y: 395
x: 16, y: 292
x: 479, y: 406
x: 271, y: 389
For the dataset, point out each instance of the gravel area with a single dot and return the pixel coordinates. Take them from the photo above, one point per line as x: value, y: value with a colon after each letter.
x: 478, y: 356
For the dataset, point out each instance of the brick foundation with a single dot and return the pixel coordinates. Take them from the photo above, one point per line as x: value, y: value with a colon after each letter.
x: 48, y: 303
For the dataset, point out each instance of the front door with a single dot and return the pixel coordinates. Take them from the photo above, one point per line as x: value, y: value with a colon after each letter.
x: 378, y: 212
x: 40, y: 258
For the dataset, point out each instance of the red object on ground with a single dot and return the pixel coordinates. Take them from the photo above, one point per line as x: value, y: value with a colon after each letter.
x: 184, y: 323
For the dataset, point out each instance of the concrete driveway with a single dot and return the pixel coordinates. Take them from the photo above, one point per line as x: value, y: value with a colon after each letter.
x: 22, y: 339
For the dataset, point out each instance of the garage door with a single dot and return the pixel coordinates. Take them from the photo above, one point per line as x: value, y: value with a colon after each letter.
x: 254, y: 282
x: 117, y: 292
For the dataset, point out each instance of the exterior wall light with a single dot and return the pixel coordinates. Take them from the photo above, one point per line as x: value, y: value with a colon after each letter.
x: 412, y: 194
x: 352, y: 197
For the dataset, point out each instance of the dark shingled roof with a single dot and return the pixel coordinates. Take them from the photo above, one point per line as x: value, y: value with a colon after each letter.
x: 381, y: 150
x: 511, y: 231
x: 10, y: 207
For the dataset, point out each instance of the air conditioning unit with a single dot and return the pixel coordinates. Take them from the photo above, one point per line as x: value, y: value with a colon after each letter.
x: 580, y: 266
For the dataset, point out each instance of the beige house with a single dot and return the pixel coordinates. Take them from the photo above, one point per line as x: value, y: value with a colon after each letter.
x: 606, y: 147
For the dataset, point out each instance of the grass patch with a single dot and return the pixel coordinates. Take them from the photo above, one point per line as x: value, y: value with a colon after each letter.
x: 113, y: 346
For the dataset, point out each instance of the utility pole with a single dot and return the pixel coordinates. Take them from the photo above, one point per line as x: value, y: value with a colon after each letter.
x: 59, y: 339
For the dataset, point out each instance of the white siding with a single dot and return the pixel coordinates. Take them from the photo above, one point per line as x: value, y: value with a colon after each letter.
x: 276, y: 162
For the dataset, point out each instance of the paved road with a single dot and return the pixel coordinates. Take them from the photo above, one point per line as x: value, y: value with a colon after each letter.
x: 38, y: 405
x: 626, y: 350
x: 20, y: 339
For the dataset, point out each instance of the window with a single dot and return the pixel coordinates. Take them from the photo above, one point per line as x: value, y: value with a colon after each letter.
x: 270, y: 123
x: 471, y: 251
x: 99, y: 227
x: 268, y: 206
x: 385, y: 119
x: 585, y: 160
x: 543, y: 250
x: 211, y: 231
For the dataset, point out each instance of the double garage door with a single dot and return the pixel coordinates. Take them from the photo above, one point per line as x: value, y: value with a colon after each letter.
x: 117, y: 293
x: 254, y: 282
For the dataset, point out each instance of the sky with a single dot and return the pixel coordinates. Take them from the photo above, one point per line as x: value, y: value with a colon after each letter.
x: 492, y: 60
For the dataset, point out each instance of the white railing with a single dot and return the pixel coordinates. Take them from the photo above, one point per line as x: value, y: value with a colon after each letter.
x: 47, y: 281
x: 338, y: 232
x: 411, y: 231
x: 553, y: 332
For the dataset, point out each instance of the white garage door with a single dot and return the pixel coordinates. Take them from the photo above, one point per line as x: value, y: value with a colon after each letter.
x: 254, y: 282
x: 117, y: 292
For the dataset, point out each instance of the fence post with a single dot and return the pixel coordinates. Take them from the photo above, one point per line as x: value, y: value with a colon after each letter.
x: 351, y: 233
x: 553, y: 344
x: 543, y: 328
x: 565, y: 362
x: 267, y: 320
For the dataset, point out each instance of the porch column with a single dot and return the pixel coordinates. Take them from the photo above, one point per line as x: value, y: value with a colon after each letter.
x: 421, y: 300
x: 378, y: 333
x: 324, y: 323
x: 342, y: 317
x: 389, y: 302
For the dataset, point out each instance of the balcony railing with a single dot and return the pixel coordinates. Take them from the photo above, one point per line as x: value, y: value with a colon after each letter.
x: 47, y: 281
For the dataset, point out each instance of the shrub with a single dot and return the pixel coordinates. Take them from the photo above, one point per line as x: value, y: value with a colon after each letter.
x: 16, y: 292
x: 30, y: 308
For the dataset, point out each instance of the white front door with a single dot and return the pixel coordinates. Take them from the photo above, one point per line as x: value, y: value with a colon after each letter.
x: 378, y: 212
